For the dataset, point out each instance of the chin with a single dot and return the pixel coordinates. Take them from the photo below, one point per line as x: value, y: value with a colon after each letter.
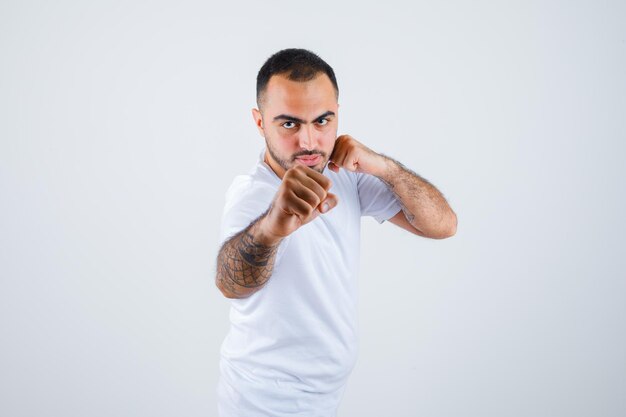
x: 321, y: 167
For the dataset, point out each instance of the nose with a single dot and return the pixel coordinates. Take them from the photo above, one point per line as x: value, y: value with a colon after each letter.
x: 307, y: 135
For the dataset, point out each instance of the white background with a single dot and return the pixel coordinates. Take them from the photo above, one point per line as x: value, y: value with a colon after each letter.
x: 123, y: 123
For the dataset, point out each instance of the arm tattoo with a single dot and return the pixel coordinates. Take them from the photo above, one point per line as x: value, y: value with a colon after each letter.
x: 244, y: 264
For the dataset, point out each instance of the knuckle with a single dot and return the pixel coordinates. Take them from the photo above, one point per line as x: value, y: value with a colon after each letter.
x: 315, y: 200
x: 287, y: 184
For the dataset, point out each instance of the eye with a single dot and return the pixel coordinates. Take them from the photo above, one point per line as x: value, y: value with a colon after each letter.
x: 323, y: 121
x: 288, y: 125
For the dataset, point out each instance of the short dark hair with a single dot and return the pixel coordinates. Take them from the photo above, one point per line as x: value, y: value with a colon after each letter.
x: 297, y: 64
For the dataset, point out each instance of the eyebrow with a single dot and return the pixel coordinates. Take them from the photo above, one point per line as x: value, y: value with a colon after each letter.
x: 298, y: 120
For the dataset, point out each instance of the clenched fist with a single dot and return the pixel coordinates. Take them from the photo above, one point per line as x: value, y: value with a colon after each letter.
x: 302, y: 196
x: 352, y: 155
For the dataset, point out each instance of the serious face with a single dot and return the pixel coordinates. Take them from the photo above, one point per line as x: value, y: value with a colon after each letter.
x: 298, y: 121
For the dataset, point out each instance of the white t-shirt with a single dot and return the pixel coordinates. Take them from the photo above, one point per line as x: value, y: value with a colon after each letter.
x: 292, y: 344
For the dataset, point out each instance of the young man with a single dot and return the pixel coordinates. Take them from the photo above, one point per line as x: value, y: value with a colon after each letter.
x: 290, y: 253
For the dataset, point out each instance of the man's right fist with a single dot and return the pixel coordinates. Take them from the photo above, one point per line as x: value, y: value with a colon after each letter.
x: 301, y: 197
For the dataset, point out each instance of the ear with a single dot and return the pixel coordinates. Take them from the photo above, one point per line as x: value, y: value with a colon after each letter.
x: 258, y: 121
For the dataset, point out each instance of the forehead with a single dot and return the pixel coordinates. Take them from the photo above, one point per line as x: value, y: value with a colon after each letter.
x: 299, y: 97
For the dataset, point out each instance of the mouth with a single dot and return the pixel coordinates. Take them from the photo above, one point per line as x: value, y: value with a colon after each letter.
x: 309, y: 160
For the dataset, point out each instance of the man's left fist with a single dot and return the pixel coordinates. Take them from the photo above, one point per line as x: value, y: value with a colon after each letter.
x: 354, y: 156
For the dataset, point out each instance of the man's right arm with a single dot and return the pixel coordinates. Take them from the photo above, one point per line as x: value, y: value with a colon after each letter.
x: 246, y: 260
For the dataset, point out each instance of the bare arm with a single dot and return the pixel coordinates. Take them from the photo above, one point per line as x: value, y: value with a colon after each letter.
x: 424, y: 207
x: 426, y: 212
x: 246, y: 260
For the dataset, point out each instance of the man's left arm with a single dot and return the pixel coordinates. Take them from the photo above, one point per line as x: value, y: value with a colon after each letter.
x: 424, y: 208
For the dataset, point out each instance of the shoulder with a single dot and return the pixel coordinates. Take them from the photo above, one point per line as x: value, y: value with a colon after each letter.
x: 252, y: 189
x: 257, y: 179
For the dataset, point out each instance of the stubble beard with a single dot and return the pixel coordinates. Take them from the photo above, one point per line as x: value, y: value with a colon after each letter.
x: 285, y: 164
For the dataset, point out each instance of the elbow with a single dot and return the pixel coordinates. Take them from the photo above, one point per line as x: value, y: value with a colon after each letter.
x: 229, y: 293
x: 225, y: 292
x: 451, y: 230
x: 441, y: 235
x: 448, y: 231
x: 230, y: 296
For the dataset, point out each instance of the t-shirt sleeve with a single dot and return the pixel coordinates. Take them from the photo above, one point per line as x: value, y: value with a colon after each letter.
x: 246, y: 200
x: 376, y: 199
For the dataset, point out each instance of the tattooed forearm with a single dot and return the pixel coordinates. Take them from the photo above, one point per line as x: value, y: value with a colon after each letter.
x: 422, y: 204
x: 245, y: 263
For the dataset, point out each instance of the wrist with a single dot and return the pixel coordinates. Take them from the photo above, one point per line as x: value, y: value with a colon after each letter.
x: 384, y: 167
x: 263, y: 235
